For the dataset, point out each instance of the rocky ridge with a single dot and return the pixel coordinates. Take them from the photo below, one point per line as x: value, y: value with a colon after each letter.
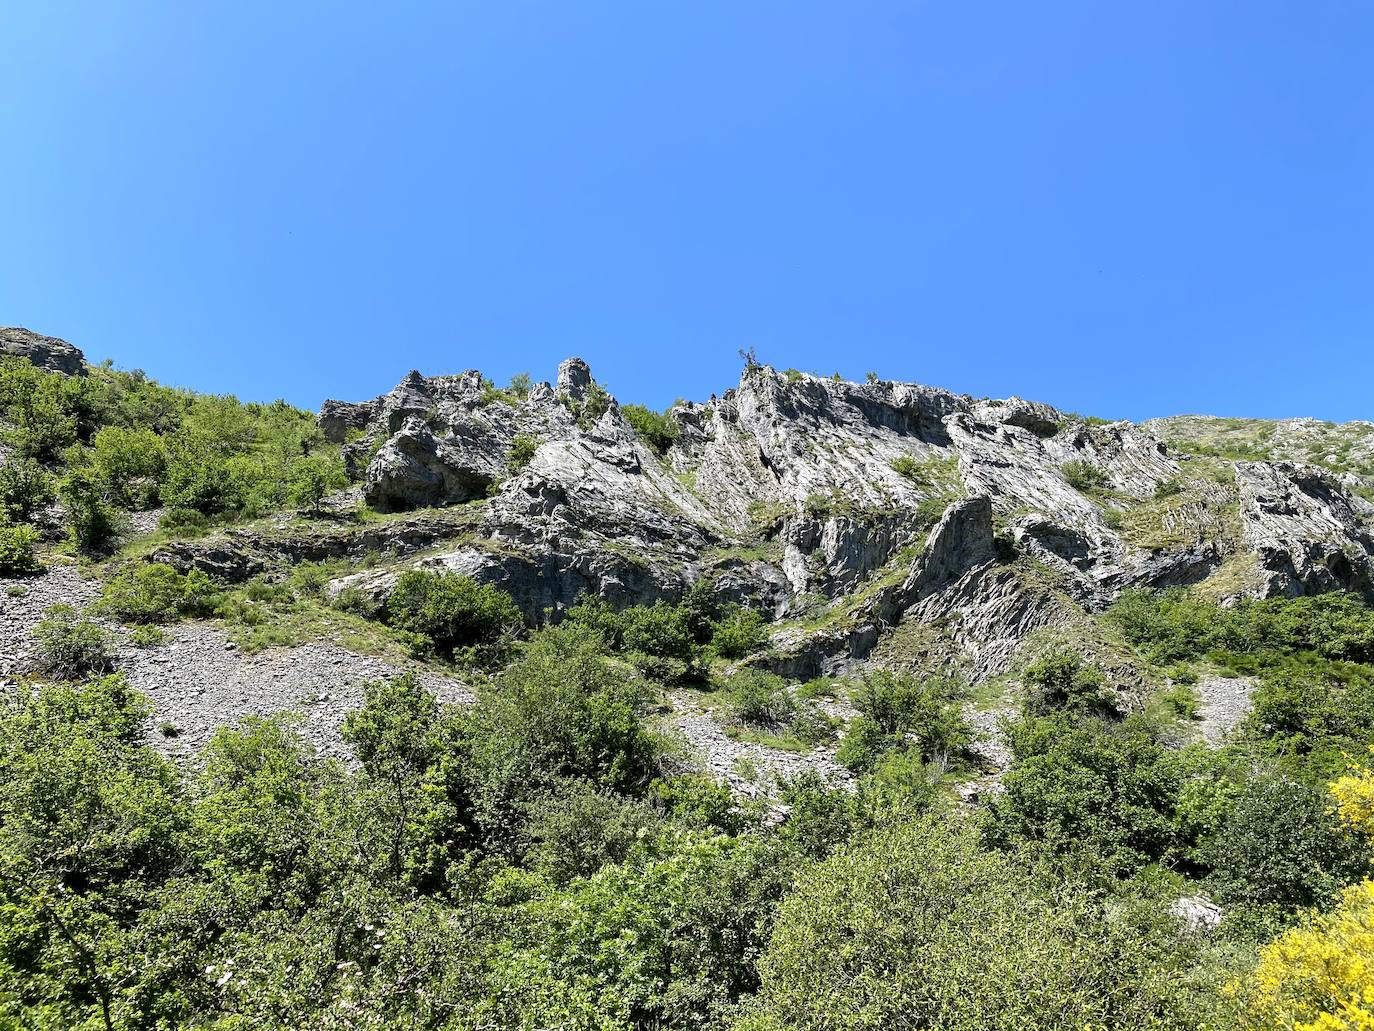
x: 840, y: 508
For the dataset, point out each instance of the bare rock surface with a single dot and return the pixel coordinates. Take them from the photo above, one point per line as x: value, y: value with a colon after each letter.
x: 1310, y: 534
x: 46, y: 352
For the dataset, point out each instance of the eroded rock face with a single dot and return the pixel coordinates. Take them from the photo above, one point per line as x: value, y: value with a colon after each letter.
x: 337, y: 418
x: 46, y: 352
x: 1310, y: 534
x: 791, y: 488
x: 417, y: 469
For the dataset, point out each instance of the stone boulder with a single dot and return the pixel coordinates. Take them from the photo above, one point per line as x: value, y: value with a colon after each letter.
x: 416, y: 469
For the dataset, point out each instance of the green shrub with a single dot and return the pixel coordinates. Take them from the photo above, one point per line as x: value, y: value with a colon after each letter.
x: 813, y: 727
x: 352, y: 600
x: 522, y: 451
x: 662, y: 639
x: 36, y: 406
x: 576, y: 829
x: 759, y: 698
x: 1171, y: 627
x: 656, y: 429
x: 453, y: 615
x: 130, y: 463
x: 740, y: 632
x: 1281, y: 848
x: 1060, y: 679
x: 908, y: 467
x: 699, y: 803
x: 311, y: 478
x: 157, y: 593
x: 92, y: 526
x: 25, y: 488
x: 1085, y: 476
x: 563, y: 709
x: 1182, y: 701
x: 147, y: 636
x: 70, y: 645
x: 1090, y: 792
x: 899, y: 712
x: 913, y: 925
x: 17, y: 556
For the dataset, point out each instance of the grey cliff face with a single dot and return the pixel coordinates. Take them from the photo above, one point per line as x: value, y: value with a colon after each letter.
x: 879, y: 502
x: 46, y: 352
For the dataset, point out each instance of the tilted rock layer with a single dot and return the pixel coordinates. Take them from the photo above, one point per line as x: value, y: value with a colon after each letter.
x: 46, y: 352
x: 841, y: 508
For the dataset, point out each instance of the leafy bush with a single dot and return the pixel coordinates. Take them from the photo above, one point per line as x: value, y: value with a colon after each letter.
x: 698, y: 803
x: 661, y: 637
x: 17, y: 556
x: 1085, y: 476
x: 1280, y: 847
x: 908, y: 467
x: 310, y: 478
x: 522, y: 451
x: 25, y: 488
x: 453, y: 614
x: 130, y: 463
x: 561, y: 710
x: 739, y: 633
x: 36, y: 405
x: 813, y: 727
x: 899, y: 712
x: 576, y: 829
x: 912, y: 925
x: 1089, y: 792
x: 147, y: 636
x: 92, y: 526
x: 157, y: 593
x: 760, y: 698
x: 1171, y: 627
x: 70, y: 645
x: 656, y: 429
x: 1060, y: 679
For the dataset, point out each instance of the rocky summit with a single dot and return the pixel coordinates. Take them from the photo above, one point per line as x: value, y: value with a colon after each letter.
x: 852, y: 505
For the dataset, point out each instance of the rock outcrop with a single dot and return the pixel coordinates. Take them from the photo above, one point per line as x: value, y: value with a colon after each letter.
x: 1310, y: 534
x: 46, y: 352
x: 880, y: 502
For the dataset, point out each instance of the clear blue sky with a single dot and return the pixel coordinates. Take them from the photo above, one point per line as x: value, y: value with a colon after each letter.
x: 1128, y: 209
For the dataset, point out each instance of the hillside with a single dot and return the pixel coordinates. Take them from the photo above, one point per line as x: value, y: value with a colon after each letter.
x: 612, y: 718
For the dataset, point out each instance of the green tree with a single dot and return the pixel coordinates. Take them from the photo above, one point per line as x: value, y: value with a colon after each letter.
x: 914, y: 925
x: 313, y: 477
x: 25, y: 489
x: 453, y: 615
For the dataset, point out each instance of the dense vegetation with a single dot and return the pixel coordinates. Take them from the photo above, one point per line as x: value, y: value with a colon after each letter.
x: 538, y: 860
x: 112, y: 442
x: 541, y: 858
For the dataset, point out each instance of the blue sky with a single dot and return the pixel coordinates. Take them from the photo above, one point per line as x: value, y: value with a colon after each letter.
x: 1126, y: 209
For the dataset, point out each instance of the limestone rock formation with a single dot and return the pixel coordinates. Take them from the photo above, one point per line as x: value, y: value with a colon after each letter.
x: 46, y: 352
x: 1311, y: 536
x: 856, y: 506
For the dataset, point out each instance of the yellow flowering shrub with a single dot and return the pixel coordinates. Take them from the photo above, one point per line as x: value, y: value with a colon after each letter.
x: 1354, y: 795
x: 1320, y: 975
